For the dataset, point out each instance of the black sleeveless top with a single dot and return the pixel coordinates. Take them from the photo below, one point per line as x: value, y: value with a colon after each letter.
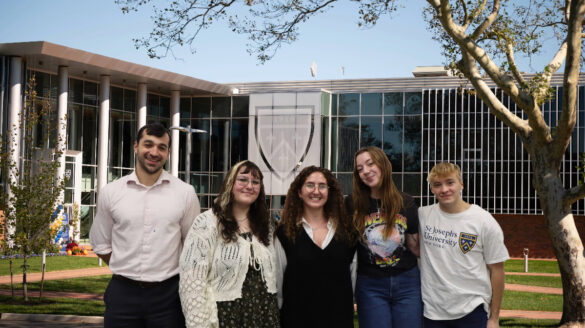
x: 317, y: 283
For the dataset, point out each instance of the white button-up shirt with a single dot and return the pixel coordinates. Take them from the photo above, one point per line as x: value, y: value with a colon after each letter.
x: 144, y: 227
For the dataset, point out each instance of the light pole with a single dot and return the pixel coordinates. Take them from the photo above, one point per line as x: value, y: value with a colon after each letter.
x: 188, y: 130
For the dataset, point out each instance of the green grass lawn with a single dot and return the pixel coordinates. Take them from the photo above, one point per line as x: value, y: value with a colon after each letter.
x: 539, y: 266
x: 93, y: 285
x: 535, y: 281
x: 52, y: 306
x: 514, y: 300
x: 53, y: 263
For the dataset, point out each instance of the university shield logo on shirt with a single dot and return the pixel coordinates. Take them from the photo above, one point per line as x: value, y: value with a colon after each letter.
x: 467, y: 241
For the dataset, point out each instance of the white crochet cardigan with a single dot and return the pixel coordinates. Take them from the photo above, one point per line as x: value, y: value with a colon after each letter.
x: 212, y: 270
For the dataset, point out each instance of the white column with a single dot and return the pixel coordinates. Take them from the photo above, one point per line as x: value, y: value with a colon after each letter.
x: 104, y: 125
x: 62, y: 121
x: 141, y: 108
x: 14, y: 109
x: 175, y: 121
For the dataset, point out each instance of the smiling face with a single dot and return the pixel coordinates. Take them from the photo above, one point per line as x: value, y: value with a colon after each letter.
x: 314, y: 192
x: 152, y: 153
x: 246, y: 188
x: 368, y: 171
x: 447, y: 189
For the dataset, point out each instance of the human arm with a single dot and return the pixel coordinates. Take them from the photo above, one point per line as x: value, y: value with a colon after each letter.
x: 100, y: 234
x: 280, y: 260
x: 497, y: 278
x: 192, y: 211
x: 197, y: 299
x: 412, y: 243
x: 105, y: 257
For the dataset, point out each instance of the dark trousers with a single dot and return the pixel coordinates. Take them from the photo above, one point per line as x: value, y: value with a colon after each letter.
x: 476, y: 319
x: 133, y: 306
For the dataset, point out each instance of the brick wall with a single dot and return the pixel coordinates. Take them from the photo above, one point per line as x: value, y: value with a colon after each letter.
x: 529, y: 231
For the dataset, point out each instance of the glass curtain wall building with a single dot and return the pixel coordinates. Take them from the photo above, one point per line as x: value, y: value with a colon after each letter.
x: 416, y: 121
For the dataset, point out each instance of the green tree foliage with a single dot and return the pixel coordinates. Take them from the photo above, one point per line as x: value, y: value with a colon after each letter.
x: 33, y: 190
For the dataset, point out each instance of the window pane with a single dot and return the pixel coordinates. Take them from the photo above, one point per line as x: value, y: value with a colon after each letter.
x: 130, y: 100
x: 220, y: 145
x: 185, y: 108
x: 165, y: 107
x: 239, y: 140
x: 89, y: 134
x: 90, y: 91
x: 153, y: 105
x: 349, y: 104
x: 393, y: 141
x: 371, y: 133
x: 74, y: 127
x: 116, y: 98
x: 412, y: 103
x: 200, y: 107
x: 76, y: 91
x: 220, y: 106
x: 393, y: 103
x: 240, y: 106
x: 371, y: 104
x: 200, y: 144
x: 348, y: 142
x: 412, y: 143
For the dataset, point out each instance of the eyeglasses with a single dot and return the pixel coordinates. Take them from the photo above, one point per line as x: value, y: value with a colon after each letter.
x: 311, y: 186
x: 245, y: 181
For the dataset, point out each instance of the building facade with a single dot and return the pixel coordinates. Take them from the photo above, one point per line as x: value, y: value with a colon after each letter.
x: 282, y: 126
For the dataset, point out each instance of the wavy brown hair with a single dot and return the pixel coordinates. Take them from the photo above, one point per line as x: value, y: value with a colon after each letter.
x: 392, y: 201
x: 258, y: 214
x: 334, y: 209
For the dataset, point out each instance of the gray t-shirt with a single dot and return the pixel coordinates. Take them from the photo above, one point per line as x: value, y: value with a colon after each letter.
x: 455, y: 250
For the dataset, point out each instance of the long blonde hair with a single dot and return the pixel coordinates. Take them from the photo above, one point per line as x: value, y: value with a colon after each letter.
x: 392, y: 201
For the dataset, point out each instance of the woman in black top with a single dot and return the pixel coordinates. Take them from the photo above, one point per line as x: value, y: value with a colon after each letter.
x: 388, y: 280
x: 314, y: 252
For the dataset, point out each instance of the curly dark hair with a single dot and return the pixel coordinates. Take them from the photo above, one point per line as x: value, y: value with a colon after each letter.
x: 258, y: 214
x: 334, y: 208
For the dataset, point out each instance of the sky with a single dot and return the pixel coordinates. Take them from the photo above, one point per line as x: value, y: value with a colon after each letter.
x: 392, y: 48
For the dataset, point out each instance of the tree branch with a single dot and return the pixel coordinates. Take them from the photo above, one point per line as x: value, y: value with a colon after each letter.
x: 570, y: 80
x: 518, y: 125
x: 512, y: 65
x: 574, y: 194
x: 488, y: 21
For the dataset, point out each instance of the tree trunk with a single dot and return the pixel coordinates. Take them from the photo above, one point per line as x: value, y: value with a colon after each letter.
x: 42, y: 282
x: 11, y: 279
x: 565, y: 240
x: 24, y: 290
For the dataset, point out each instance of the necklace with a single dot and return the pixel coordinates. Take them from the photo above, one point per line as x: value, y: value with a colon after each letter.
x: 242, y: 220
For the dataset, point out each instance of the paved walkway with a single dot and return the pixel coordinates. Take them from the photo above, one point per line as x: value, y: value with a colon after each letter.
x: 54, y: 275
x: 66, y: 274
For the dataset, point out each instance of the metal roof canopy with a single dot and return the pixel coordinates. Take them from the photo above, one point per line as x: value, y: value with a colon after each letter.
x: 48, y: 56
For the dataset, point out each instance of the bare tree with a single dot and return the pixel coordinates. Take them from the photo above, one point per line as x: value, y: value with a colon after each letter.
x: 481, y: 40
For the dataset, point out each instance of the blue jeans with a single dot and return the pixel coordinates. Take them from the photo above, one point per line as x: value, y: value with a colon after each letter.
x: 390, y: 302
x: 477, y: 319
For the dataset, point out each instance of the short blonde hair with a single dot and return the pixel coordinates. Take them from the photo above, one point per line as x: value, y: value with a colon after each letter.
x: 444, y: 169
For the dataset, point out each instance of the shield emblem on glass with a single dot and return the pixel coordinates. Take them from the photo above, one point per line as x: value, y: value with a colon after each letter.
x: 283, y: 137
x: 467, y: 241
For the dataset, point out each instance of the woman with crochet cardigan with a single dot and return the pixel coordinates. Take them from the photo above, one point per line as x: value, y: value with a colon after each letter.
x: 227, y: 265
x: 314, y: 254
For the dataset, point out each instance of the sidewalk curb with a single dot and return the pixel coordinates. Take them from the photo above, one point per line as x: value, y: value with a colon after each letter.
x: 51, y: 318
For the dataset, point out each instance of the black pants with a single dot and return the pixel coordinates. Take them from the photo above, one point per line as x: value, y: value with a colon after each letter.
x: 132, y: 306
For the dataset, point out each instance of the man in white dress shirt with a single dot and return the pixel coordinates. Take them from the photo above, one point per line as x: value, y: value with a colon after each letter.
x: 141, y: 222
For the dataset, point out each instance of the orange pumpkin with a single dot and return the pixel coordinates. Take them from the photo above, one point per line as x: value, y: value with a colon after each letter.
x: 69, y: 252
